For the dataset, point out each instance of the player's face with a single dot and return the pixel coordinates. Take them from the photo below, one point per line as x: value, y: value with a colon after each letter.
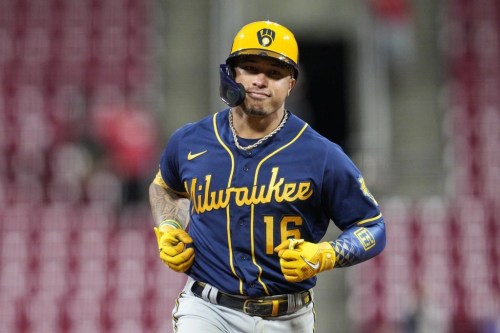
x: 267, y: 84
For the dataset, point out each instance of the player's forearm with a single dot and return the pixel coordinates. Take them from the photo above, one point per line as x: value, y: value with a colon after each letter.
x: 166, y: 205
x: 359, y: 244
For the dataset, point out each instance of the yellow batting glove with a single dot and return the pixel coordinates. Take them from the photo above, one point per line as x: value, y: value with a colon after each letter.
x: 301, y: 260
x: 172, y: 247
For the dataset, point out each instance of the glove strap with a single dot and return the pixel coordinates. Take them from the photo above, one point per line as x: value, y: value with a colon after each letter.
x: 171, y: 223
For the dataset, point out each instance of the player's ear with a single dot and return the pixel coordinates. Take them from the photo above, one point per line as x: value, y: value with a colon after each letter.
x: 291, y: 85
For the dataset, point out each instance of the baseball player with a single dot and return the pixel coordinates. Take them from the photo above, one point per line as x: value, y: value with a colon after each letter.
x: 244, y: 197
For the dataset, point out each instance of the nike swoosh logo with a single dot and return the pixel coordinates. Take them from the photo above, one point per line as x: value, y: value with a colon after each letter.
x: 310, y: 264
x: 193, y: 156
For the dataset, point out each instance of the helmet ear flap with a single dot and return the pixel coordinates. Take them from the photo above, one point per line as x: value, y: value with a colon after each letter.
x: 230, y: 69
x: 231, y: 92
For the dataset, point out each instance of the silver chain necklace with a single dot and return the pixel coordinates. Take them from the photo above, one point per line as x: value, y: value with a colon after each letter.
x: 261, y: 140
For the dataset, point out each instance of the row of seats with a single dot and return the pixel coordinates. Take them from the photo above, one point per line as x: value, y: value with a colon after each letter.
x: 441, y: 263
x: 129, y: 74
x: 81, y: 312
x: 30, y: 14
x: 75, y: 46
x: 74, y: 267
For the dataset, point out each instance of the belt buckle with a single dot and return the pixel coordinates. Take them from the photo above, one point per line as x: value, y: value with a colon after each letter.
x: 261, y: 308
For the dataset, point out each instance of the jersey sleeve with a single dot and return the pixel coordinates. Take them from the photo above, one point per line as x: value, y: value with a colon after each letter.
x: 169, y: 162
x: 354, y: 210
x: 348, y: 200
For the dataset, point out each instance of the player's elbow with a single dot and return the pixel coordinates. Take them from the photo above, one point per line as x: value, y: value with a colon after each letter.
x: 379, y: 234
x: 152, y: 189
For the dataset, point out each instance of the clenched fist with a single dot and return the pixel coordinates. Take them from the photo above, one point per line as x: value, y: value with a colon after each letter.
x: 173, y: 250
x: 301, y: 260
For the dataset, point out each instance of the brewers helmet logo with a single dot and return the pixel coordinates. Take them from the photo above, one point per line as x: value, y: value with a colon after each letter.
x: 265, y: 37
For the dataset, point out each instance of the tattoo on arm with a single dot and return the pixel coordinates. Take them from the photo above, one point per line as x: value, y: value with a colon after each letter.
x: 167, y: 205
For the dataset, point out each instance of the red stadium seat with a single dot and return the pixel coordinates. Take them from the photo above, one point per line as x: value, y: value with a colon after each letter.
x: 7, y: 313
x: 104, y: 187
x: 14, y: 279
x: 126, y: 314
x: 6, y: 44
x: 53, y: 277
x: 43, y: 311
x: 76, y: 13
x: 84, y: 311
x: 75, y: 45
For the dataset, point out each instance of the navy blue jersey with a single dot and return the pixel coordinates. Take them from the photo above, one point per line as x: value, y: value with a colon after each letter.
x: 243, y: 204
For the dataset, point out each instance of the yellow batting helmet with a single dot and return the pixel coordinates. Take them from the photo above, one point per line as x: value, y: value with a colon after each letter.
x: 267, y: 39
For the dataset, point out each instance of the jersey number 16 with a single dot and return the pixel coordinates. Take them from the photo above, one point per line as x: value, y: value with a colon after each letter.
x: 288, y: 229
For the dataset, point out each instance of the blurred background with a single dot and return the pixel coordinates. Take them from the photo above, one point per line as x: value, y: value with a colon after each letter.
x: 90, y: 90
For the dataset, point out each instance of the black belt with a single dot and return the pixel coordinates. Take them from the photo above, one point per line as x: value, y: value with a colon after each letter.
x: 268, y: 306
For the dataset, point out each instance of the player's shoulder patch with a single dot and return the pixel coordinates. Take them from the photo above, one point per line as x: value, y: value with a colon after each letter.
x: 365, y: 190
